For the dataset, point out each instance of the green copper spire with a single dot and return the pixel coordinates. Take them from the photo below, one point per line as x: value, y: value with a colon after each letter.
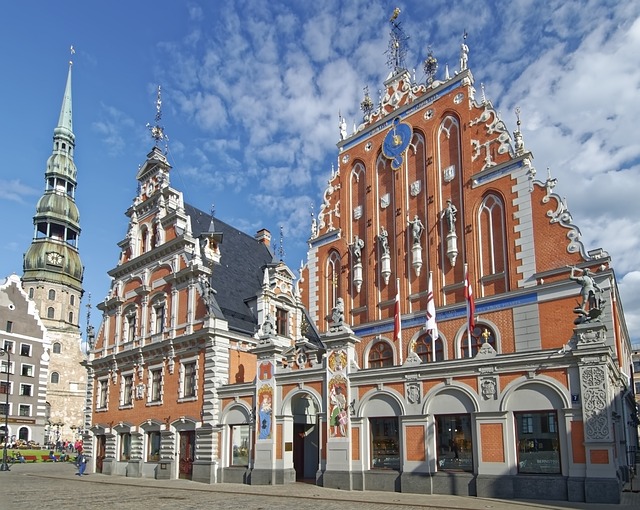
x: 65, y: 122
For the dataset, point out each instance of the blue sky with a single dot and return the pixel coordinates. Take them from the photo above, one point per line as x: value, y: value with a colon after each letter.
x: 251, y: 95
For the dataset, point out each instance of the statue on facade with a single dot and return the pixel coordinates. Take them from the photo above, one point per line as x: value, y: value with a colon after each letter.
x: 591, y: 304
x: 449, y: 215
x: 356, y: 249
x: 337, y: 313
x: 269, y: 325
x: 416, y: 229
x: 383, y: 237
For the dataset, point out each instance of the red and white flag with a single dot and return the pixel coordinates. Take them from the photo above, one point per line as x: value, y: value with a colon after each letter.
x: 471, y: 308
x: 431, y: 325
x: 397, y: 326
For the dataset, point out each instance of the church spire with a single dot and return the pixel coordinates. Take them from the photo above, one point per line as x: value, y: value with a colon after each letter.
x: 53, y: 256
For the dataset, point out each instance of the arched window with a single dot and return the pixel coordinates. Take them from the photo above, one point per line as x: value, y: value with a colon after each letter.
x: 71, y: 317
x: 55, y: 377
x: 333, y: 279
x: 429, y: 349
x: 481, y: 334
x: 57, y: 348
x: 52, y: 295
x: 380, y: 355
x: 23, y: 434
x: 493, y: 248
x: 72, y: 300
x: 31, y: 291
x: 50, y: 313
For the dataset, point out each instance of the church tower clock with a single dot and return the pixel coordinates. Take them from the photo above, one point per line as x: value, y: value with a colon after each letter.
x: 53, y: 279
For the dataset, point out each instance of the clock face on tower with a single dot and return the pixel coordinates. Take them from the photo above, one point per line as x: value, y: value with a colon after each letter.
x: 54, y: 258
x: 396, y: 142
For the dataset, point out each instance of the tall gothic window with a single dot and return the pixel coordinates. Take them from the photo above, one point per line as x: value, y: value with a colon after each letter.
x: 333, y: 279
x: 492, y: 243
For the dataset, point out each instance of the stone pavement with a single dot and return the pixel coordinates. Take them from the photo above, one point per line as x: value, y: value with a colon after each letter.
x: 55, y: 486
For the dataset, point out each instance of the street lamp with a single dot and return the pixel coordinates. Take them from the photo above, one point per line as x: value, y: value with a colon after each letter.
x: 5, y: 465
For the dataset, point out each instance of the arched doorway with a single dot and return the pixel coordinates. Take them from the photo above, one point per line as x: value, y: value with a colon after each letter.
x: 306, y: 436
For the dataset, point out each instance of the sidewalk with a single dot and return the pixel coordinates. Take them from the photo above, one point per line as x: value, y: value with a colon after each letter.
x: 60, y: 475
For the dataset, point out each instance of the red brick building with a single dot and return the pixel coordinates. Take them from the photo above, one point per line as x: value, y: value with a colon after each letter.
x: 435, y: 208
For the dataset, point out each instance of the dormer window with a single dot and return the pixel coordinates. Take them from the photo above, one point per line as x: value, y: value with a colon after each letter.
x: 282, y: 318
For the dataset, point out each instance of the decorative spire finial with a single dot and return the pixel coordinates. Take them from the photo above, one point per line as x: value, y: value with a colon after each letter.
x: 430, y: 66
x: 72, y: 51
x: 517, y: 134
x: 367, y: 104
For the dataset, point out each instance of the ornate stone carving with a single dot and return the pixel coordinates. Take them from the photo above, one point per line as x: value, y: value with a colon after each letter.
x: 594, y: 403
x: 489, y: 388
x: 413, y: 392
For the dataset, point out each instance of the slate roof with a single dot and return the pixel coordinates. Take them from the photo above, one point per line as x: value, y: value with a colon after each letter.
x: 238, y: 277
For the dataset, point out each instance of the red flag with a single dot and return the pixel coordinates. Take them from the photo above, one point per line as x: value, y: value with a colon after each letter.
x: 397, y: 326
x: 468, y: 295
x: 431, y: 325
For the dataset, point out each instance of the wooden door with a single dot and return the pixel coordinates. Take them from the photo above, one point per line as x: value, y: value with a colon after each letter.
x: 187, y: 445
x: 101, y: 446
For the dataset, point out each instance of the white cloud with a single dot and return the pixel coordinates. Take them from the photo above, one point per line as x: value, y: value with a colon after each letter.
x: 16, y: 191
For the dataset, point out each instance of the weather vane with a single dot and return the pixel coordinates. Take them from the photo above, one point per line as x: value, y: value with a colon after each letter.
x: 397, y: 47
x: 157, y: 131
x: 281, y: 247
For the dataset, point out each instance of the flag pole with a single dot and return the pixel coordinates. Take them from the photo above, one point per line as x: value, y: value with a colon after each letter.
x: 398, y: 319
x: 468, y: 294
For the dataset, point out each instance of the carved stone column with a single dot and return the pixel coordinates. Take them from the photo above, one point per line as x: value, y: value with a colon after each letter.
x: 267, y: 401
x: 340, y: 362
x: 601, y: 484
